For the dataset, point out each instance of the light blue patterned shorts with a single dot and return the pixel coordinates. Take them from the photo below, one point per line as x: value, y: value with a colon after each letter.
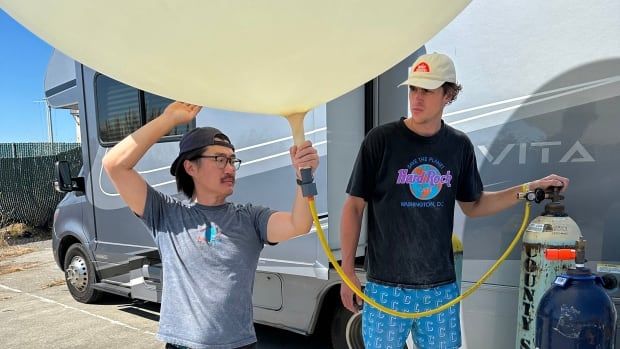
x: 438, y: 331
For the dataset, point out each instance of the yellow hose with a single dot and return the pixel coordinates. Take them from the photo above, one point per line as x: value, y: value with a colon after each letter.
x: 392, y: 312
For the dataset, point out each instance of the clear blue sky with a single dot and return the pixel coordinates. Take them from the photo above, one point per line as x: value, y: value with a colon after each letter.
x: 23, y: 60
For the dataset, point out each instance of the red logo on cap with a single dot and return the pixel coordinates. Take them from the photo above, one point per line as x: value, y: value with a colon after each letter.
x: 422, y: 67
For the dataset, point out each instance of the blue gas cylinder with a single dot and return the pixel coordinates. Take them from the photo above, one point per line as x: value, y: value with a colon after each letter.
x: 576, y: 312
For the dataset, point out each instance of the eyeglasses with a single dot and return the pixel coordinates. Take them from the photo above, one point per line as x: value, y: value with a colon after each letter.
x: 221, y: 160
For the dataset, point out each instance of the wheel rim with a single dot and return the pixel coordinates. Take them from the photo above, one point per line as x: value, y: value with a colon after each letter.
x: 354, y: 332
x: 77, y: 273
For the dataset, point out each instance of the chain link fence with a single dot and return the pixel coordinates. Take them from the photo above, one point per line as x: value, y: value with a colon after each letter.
x: 26, y: 174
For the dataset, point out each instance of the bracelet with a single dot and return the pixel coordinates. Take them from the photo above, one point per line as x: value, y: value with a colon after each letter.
x: 299, y: 182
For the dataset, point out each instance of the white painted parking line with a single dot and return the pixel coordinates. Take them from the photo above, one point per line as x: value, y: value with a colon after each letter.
x: 47, y: 300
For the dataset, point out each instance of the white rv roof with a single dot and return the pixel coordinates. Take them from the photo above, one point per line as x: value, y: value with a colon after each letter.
x: 60, y: 82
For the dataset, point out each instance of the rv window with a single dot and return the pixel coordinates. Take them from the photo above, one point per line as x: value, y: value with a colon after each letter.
x: 118, y: 109
x: 122, y: 109
x: 154, y: 105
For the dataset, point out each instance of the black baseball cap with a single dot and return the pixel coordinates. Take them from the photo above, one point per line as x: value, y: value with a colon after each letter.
x: 198, y: 138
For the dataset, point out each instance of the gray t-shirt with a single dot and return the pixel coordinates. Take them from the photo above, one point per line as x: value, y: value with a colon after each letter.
x: 209, y: 256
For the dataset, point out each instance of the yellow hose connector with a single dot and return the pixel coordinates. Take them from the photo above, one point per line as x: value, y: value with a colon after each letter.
x: 457, y: 245
x: 392, y: 312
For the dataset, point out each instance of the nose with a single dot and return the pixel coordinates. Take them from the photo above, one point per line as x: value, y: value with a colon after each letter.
x: 415, y: 94
x: 229, y: 165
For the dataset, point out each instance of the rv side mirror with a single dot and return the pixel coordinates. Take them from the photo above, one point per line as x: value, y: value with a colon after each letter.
x: 63, y: 182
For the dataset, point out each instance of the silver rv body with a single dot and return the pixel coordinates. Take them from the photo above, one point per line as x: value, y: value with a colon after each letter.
x: 541, y: 95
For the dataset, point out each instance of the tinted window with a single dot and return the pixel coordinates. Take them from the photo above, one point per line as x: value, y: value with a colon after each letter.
x: 154, y: 105
x: 122, y: 109
x: 118, y: 109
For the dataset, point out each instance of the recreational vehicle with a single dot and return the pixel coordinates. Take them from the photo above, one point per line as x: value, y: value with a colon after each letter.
x: 541, y: 95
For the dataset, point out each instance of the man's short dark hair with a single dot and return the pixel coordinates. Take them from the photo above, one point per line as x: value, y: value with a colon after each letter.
x: 185, y: 182
x: 452, y: 90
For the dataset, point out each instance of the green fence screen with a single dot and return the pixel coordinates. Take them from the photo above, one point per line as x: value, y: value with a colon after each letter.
x: 26, y: 175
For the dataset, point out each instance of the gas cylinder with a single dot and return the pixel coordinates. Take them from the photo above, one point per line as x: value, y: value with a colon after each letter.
x: 545, y: 242
x: 576, y: 312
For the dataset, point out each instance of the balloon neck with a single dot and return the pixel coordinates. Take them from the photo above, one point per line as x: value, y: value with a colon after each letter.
x: 297, y: 127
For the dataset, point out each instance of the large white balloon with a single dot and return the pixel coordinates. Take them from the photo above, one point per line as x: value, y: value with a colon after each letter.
x: 262, y: 56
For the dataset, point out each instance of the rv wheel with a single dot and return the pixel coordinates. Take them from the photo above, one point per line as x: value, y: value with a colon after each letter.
x: 339, y: 329
x: 80, y: 275
x: 353, y: 331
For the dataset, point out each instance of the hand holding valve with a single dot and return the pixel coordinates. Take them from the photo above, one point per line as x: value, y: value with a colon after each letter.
x: 538, y: 195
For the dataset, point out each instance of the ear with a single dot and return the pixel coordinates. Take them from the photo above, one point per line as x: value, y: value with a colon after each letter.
x: 190, y: 167
x: 446, y: 98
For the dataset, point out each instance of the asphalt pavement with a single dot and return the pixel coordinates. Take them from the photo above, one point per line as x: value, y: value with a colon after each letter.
x: 37, y: 311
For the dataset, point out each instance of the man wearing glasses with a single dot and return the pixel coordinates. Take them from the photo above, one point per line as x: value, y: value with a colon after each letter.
x: 209, y: 247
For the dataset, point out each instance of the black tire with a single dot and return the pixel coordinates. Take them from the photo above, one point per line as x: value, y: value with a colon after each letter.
x: 352, y: 334
x: 344, y: 325
x: 353, y: 331
x: 80, y: 275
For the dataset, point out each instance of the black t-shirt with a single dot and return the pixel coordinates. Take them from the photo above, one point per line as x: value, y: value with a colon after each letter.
x: 411, y: 183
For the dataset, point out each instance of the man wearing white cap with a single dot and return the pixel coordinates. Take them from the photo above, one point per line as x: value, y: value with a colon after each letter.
x: 413, y: 171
